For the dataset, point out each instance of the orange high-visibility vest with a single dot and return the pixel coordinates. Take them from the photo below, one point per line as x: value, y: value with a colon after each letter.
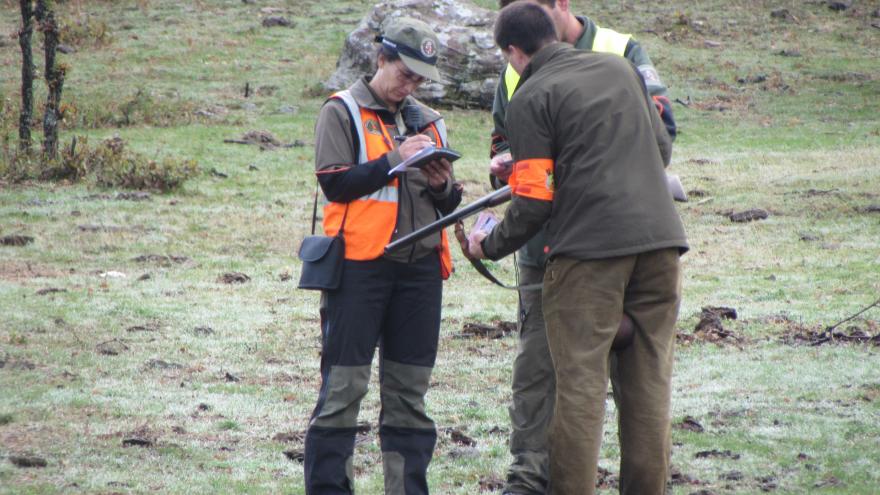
x: 371, y: 219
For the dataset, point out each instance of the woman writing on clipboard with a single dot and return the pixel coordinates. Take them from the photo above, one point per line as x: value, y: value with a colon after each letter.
x: 390, y: 300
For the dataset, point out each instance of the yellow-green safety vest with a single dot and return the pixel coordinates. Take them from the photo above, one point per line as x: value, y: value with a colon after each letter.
x: 606, y: 41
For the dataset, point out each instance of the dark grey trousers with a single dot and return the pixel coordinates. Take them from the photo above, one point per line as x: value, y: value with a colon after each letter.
x: 534, y: 392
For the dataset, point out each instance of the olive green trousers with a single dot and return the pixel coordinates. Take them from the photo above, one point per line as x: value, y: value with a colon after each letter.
x: 583, y: 302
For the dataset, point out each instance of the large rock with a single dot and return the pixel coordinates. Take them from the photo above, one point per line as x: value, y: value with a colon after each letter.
x: 468, y: 59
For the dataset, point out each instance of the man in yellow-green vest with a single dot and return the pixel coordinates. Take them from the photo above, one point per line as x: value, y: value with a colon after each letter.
x: 534, y: 382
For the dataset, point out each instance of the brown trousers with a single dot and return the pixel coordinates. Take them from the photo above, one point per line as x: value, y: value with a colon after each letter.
x: 583, y: 302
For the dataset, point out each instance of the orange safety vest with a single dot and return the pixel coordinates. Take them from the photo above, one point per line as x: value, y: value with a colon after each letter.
x: 370, y: 220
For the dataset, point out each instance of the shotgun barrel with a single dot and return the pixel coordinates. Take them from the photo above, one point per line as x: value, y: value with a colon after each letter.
x: 494, y: 199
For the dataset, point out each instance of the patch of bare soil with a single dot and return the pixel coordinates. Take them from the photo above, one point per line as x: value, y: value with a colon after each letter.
x: 491, y: 483
x: 865, y: 332
x: 473, y: 330
x: 16, y: 240
x: 49, y: 290
x: 160, y: 259
x: 725, y: 103
x: 295, y: 455
x: 829, y: 482
x: 27, y: 461
x: 606, y: 480
x: 679, y: 478
x: 748, y: 215
x: 290, y: 437
x: 715, y: 454
x: 689, y: 424
x: 457, y: 436
x: 112, y: 347
x: 233, y: 278
x: 264, y: 139
x: 13, y: 270
x: 768, y: 483
x: 112, y: 229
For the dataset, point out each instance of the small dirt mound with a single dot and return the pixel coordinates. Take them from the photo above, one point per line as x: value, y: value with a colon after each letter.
x: 264, y: 139
x: 689, y: 424
x: 472, y: 330
x: 799, y: 334
x: 491, y: 483
x: 28, y: 461
x: 711, y: 329
x: 233, y: 278
x: 748, y: 215
x: 606, y: 480
x: 16, y: 240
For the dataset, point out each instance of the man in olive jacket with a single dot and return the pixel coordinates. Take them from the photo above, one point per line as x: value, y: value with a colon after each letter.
x: 589, y: 151
x: 532, y: 376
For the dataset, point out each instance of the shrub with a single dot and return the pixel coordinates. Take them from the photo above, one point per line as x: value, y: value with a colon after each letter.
x: 109, y: 164
x: 140, y: 108
x: 85, y: 30
x: 112, y: 165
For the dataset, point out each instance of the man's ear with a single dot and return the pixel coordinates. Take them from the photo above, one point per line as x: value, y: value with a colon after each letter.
x: 563, y: 5
x: 517, y: 58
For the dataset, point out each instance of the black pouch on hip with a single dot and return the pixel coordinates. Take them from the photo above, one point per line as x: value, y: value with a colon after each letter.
x: 322, y: 261
x: 323, y: 257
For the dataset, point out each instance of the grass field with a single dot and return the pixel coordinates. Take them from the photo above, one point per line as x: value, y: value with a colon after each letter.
x: 129, y: 366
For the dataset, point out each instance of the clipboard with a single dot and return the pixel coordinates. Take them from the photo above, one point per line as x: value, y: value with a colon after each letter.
x: 424, y: 157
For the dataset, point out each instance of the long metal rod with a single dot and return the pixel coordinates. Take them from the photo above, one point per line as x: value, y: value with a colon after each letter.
x: 494, y: 199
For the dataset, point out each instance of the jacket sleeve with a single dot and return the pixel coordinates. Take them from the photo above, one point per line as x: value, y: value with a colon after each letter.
x: 448, y: 202
x: 664, y: 140
x: 522, y: 221
x: 636, y: 54
x: 341, y: 178
x: 531, y: 140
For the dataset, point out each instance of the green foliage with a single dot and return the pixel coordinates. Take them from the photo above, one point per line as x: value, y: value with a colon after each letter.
x: 228, y: 425
x: 109, y: 164
x: 113, y: 165
x: 85, y: 30
x: 140, y: 108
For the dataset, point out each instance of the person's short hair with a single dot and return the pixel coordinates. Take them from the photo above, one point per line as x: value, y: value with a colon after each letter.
x: 387, y: 53
x: 524, y: 25
x: 548, y: 3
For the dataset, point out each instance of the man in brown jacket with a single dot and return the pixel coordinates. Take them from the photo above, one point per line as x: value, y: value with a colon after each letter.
x: 589, y: 152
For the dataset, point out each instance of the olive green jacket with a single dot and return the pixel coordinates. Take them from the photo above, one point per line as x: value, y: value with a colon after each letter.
x: 609, y: 42
x: 590, y: 114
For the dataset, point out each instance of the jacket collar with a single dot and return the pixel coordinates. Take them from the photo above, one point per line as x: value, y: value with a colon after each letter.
x: 540, y: 58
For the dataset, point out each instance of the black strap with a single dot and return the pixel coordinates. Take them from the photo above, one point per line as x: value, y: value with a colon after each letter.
x: 315, y: 209
x: 315, y: 214
x: 482, y: 270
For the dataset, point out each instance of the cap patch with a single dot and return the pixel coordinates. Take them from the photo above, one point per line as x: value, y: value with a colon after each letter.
x: 428, y: 48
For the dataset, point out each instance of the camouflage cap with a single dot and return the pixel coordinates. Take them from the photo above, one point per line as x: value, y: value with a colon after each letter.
x: 416, y: 44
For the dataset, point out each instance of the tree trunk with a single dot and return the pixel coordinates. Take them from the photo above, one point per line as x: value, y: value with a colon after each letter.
x: 54, y: 78
x: 27, y: 75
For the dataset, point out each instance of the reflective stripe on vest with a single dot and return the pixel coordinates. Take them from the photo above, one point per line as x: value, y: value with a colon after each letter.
x: 605, y: 41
